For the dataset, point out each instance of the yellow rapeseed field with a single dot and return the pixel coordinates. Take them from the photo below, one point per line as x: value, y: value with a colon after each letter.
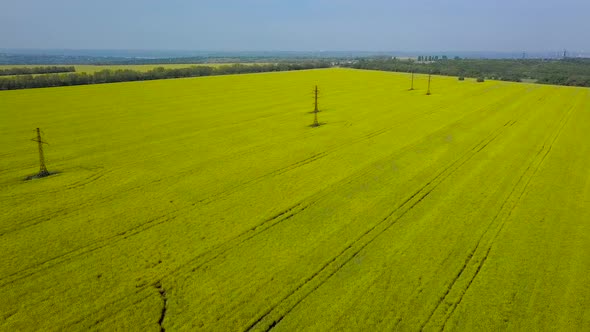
x: 211, y: 204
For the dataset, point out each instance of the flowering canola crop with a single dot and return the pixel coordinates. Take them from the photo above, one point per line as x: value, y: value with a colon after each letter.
x: 211, y: 204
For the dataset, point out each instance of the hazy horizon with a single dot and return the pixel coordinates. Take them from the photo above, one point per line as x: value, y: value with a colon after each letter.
x: 304, y: 26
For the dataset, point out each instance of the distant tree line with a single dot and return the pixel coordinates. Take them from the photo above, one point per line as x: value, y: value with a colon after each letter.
x: 127, y: 75
x: 36, y: 70
x: 573, y: 72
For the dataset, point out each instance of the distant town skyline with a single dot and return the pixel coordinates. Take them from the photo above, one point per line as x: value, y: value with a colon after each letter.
x: 305, y: 25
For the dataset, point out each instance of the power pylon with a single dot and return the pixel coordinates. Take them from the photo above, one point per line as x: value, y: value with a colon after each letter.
x: 315, y: 120
x: 42, y: 168
x: 316, y: 99
x: 316, y: 109
x: 412, y: 87
x: 428, y: 92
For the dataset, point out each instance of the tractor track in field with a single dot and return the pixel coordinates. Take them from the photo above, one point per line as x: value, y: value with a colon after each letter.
x: 305, y: 161
x: 32, y: 222
x: 509, y: 123
x: 210, y: 254
x: 208, y: 200
x: 98, y: 319
x: 122, y: 235
x: 219, y: 250
x: 404, y: 207
x: 48, y: 216
x: 506, y: 210
x: 222, y: 248
x: 286, y: 214
x: 96, y: 176
x: 77, y: 184
x: 112, y: 240
x: 165, y: 218
x: 105, y: 242
x: 64, y: 211
x: 333, y: 149
x: 88, y: 180
x: 293, y: 166
x: 152, y: 222
x: 71, y: 254
x: 282, y: 307
x: 532, y: 169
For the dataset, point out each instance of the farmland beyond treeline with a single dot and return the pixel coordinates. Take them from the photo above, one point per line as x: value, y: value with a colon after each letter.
x: 567, y: 71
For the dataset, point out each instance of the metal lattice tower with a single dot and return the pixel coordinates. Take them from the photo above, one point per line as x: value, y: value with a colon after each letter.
x: 42, y: 168
x: 428, y: 92
x: 316, y: 100
x: 315, y: 110
x: 315, y: 120
x: 412, y: 87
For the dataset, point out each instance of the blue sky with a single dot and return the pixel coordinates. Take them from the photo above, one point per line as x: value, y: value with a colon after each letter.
x: 303, y: 25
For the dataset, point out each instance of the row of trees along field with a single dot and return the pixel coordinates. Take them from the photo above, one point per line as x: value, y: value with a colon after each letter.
x: 36, y: 70
x: 126, y: 75
x: 574, y: 72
